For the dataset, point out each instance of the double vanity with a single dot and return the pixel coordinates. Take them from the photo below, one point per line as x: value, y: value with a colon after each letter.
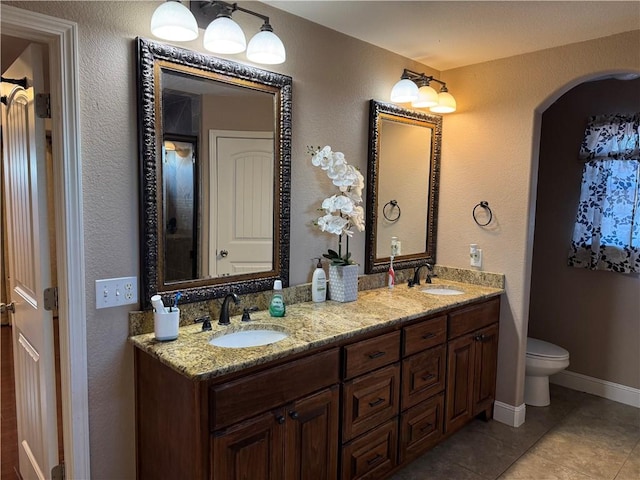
x: 347, y: 390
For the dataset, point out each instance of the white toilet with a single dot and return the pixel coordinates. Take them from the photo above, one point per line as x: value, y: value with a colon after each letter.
x: 543, y: 359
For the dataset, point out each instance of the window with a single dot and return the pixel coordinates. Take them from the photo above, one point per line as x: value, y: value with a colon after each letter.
x: 606, y: 235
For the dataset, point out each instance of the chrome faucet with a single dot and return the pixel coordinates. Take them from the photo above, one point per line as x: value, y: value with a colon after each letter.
x: 416, y: 275
x: 224, y: 310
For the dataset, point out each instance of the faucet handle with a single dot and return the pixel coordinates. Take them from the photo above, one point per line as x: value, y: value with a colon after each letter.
x: 245, y: 313
x: 206, y: 322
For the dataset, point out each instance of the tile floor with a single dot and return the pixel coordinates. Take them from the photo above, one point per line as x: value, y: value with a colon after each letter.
x: 579, y: 436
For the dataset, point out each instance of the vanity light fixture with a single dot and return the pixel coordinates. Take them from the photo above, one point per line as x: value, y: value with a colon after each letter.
x: 415, y: 87
x: 173, y: 21
x: 222, y: 34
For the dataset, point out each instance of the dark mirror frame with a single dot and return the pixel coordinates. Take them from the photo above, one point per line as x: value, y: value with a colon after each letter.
x: 378, y: 110
x: 152, y: 57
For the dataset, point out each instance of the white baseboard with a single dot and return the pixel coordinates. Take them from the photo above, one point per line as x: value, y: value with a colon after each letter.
x: 595, y: 386
x: 508, y: 414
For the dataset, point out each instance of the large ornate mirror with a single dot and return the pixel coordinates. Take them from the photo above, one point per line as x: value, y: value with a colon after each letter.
x: 215, y: 149
x: 402, y: 188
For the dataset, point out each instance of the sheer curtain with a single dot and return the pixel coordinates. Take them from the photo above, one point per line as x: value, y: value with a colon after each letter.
x: 606, y: 235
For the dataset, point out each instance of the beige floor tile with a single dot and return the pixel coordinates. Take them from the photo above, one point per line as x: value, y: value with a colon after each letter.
x: 533, y: 467
x: 430, y: 467
x: 577, y: 452
x: 631, y: 468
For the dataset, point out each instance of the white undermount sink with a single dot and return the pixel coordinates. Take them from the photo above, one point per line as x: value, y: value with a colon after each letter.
x: 442, y: 291
x: 248, y: 338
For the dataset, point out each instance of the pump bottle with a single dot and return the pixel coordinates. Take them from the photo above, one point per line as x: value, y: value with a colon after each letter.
x: 319, y: 284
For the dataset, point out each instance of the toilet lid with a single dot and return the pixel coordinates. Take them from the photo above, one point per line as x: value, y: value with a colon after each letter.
x: 540, y: 348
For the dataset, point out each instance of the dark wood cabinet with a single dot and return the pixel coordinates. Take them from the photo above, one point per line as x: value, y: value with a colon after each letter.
x: 311, y: 442
x: 356, y: 409
x: 295, y: 442
x: 472, y: 359
x: 251, y: 449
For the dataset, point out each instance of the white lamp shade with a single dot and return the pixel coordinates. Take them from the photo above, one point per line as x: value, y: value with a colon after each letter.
x: 173, y: 21
x: 265, y: 47
x: 404, y: 91
x: 427, y: 97
x: 446, y: 103
x: 223, y: 35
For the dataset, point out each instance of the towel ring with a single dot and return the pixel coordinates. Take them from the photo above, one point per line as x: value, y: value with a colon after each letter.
x: 484, y: 205
x: 394, y: 204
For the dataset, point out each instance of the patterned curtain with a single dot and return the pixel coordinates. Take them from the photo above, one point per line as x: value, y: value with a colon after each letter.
x: 607, y: 230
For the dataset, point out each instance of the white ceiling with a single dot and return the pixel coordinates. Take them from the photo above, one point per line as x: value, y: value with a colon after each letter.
x: 450, y: 34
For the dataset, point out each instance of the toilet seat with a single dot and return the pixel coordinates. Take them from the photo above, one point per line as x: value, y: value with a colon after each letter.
x: 544, y: 350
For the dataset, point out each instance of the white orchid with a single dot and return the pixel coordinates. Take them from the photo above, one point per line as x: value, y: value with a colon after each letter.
x: 342, y: 212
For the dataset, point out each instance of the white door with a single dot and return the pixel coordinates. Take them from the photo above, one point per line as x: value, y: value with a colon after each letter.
x: 244, y: 203
x: 29, y: 268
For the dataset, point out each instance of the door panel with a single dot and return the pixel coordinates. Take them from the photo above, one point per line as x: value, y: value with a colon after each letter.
x: 243, y: 204
x: 30, y: 268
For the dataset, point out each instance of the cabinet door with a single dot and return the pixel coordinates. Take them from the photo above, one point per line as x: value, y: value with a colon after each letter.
x: 486, y: 362
x: 460, y: 364
x: 311, y: 451
x: 253, y: 449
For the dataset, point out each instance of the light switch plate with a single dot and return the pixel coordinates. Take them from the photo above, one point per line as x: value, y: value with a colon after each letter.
x: 114, y: 292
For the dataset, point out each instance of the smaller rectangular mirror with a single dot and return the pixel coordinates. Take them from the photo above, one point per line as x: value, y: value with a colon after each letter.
x: 402, y: 188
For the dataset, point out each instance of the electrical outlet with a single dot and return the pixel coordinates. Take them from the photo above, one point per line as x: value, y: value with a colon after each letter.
x: 476, y: 257
x: 114, y: 292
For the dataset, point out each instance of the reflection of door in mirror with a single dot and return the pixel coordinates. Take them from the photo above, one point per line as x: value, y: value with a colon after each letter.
x: 403, y: 175
x: 179, y: 166
x: 241, y: 173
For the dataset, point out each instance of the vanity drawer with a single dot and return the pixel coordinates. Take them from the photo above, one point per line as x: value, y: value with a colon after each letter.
x: 370, y: 400
x: 372, y: 455
x: 474, y: 317
x: 248, y: 396
x: 421, y: 427
x: 423, y: 375
x: 367, y: 355
x: 425, y: 335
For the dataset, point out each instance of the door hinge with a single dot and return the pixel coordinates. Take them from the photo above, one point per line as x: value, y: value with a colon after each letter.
x: 43, y: 105
x: 57, y: 472
x: 51, y: 298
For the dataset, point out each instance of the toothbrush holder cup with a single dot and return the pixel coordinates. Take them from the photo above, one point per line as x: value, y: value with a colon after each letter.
x: 165, y: 324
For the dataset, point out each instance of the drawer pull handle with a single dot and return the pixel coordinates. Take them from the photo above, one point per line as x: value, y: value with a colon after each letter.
x: 428, y: 335
x: 377, y: 402
x: 293, y: 414
x: 426, y: 427
x: 280, y: 419
x: 429, y: 377
x: 377, y: 355
x: 375, y: 459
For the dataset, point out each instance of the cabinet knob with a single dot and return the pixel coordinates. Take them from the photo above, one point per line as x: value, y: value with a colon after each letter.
x: 293, y: 414
x: 280, y: 419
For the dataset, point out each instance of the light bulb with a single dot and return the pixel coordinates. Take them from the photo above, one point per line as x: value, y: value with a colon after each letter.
x: 265, y: 47
x: 446, y: 103
x: 223, y: 35
x: 427, y: 97
x: 404, y: 91
x: 173, y: 21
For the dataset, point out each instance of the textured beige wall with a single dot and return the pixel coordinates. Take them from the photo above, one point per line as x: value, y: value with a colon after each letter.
x: 489, y: 153
x: 594, y: 315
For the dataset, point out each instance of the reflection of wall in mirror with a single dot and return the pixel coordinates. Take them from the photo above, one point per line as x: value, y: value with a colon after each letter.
x: 403, y: 175
x: 237, y: 112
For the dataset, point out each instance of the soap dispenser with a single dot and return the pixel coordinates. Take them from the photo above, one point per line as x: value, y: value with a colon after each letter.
x: 319, y: 283
x: 277, y: 307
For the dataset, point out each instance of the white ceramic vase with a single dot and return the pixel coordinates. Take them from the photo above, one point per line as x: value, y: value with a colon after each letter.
x: 343, y: 283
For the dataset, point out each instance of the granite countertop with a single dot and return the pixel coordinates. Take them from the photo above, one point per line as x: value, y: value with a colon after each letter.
x: 309, y: 325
